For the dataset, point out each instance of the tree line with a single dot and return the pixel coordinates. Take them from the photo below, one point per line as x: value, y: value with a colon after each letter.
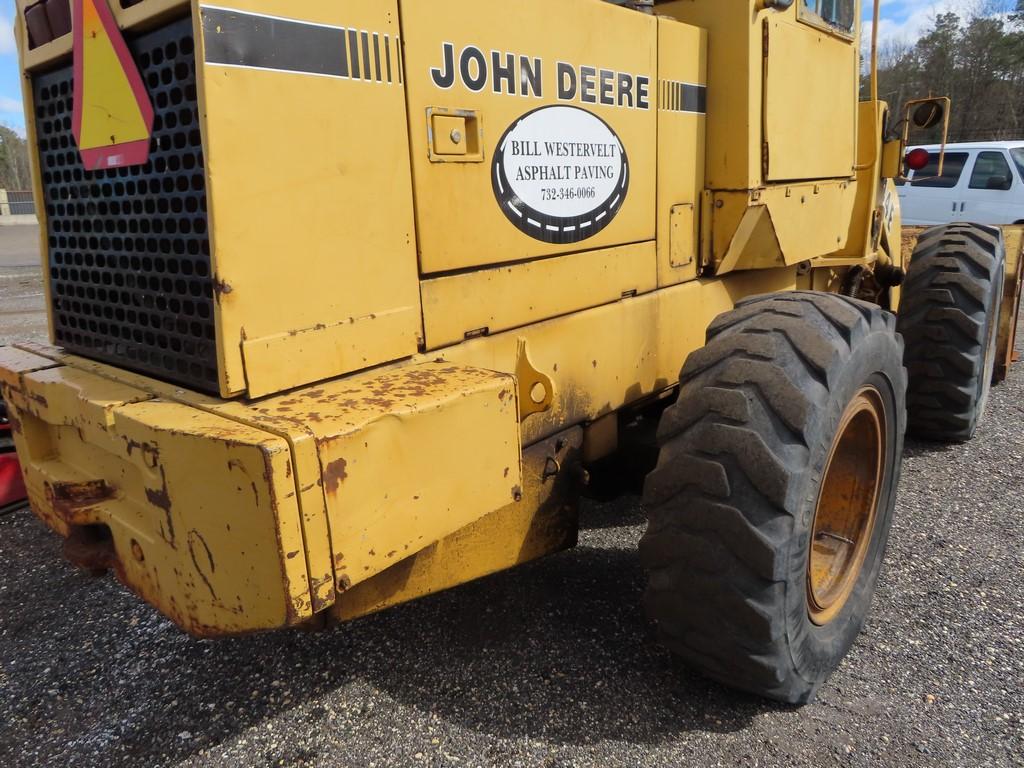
x: 975, y: 57
x: 14, y: 168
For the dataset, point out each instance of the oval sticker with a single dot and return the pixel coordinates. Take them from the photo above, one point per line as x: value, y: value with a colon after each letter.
x: 560, y: 174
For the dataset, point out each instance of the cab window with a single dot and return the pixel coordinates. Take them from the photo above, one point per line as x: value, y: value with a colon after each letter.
x: 991, y: 171
x: 952, y: 169
x: 837, y: 15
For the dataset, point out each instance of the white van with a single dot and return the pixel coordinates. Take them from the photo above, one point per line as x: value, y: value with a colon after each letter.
x: 982, y: 183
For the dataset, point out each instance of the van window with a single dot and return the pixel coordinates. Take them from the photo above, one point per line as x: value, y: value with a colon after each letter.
x: 1017, y: 153
x: 952, y: 168
x: 991, y: 171
x: 840, y: 15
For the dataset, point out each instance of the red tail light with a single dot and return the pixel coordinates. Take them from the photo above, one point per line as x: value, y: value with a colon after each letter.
x: 918, y: 159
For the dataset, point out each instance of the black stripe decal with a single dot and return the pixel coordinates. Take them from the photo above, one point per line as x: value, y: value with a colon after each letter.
x: 343, y: 56
x: 376, y: 55
x: 241, y: 39
x: 387, y: 55
x: 366, y: 56
x: 683, y: 97
x: 695, y: 98
x: 353, y: 50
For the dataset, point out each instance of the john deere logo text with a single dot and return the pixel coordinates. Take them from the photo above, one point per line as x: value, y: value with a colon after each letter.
x: 513, y: 74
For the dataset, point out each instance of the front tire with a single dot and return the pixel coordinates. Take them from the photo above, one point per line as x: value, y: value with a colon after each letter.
x: 770, y: 507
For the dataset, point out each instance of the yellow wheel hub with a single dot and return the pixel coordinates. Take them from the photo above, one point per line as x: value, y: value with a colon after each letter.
x: 847, y: 506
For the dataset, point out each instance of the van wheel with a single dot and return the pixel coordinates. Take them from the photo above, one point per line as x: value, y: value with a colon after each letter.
x: 949, y: 318
x: 770, y: 507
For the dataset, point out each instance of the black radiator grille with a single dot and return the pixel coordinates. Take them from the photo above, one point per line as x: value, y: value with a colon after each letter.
x: 129, y: 252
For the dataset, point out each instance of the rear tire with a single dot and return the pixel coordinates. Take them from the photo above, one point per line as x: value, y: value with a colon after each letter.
x: 735, y: 498
x: 949, y: 318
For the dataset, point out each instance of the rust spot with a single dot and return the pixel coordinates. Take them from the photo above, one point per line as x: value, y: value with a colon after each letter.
x: 338, y: 558
x: 392, y: 553
x: 91, y: 547
x: 334, y: 474
x: 162, y: 500
x: 517, y: 493
x: 501, y: 395
x: 372, y: 553
x: 159, y: 498
x: 292, y: 555
x: 317, y: 602
x: 344, y: 582
x: 595, y: 363
x: 38, y: 398
x: 15, y: 424
x: 81, y: 494
x: 221, y: 288
x: 195, y: 536
x: 506, y: 472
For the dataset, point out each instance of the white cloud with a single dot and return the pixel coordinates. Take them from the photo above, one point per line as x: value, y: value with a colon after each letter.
x: 7, y: 43
x: 904, y: 22
x: 7, y: 105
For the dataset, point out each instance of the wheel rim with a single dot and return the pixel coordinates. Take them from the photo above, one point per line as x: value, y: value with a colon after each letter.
x: 847, y: 506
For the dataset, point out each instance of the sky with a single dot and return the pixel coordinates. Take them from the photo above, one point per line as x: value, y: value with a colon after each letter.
x: 902, y: 20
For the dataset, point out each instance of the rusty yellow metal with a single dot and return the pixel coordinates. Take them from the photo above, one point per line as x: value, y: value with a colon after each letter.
x: 406, y: 377
x: 499, y: 298
x: 1008, y: 319
x: 103, y: 456
x: 453, y: 430
x: 542, y: 522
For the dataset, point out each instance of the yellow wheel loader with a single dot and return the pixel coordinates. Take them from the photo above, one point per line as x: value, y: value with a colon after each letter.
x: 349, y: 301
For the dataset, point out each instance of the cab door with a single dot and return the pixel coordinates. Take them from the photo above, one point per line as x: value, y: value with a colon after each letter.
x: 811, y: 77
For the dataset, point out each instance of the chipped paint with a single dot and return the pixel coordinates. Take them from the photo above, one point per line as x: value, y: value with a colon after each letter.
x: 334, y: 474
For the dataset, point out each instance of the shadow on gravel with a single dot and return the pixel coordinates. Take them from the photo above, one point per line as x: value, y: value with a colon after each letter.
x: 558, y: 650
x: 912, y: 449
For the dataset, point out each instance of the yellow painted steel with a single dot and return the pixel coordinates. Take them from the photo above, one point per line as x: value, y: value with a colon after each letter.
x: 382, y: 321
x: 682, y: 59
x: 458, y: 223
x: 810, y: 126
x: 1006, y: 344
x: 286, y: 194
x: 496, y: 299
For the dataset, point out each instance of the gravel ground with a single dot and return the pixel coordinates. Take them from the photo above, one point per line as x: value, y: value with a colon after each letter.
x: 22, y: 316
x: 550, y: 665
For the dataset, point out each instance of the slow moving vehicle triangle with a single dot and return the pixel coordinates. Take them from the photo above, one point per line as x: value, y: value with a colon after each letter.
x: 113, y: 116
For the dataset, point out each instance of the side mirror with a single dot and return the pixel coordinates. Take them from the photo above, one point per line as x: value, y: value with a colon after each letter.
x: 928, y: 114
x: 922, y: 115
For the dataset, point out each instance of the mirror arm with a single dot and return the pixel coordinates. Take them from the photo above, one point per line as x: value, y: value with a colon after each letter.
x: 874, y: 50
